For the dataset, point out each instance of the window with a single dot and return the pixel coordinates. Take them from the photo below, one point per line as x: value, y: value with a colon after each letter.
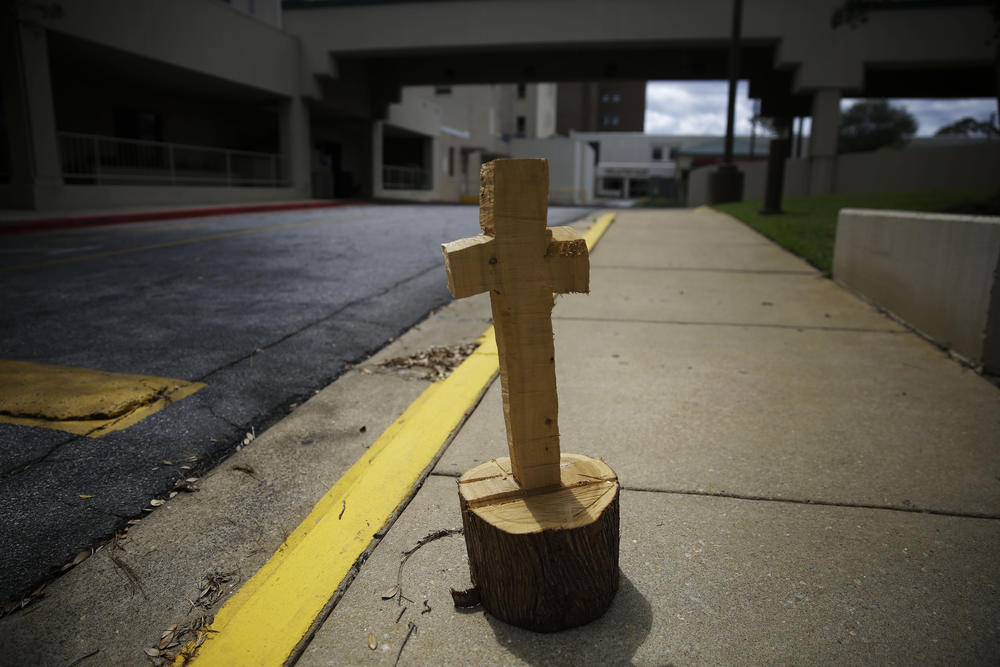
x: 522, y: 90
x: 657, y: 153
x: 521, y: 125
x: 138, y: 124
x: 615, y: 121
x: 442, y: 90
x: 616, y: 97
x: 451, y: 160
x: 606, y: 97
x: 673, y: 153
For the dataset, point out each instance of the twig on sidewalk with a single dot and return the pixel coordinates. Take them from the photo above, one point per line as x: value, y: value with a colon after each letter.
x: 83, y: 657
x: 412, y: 629
x: 430, y: 537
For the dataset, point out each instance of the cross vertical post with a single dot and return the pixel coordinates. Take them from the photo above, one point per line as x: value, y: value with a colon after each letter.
x: 521, y: 262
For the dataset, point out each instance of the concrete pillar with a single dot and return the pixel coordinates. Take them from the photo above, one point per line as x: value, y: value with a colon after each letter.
x: 36, y: 178
x: 823, y: 141
x: 626, y: 182
x: 377, y: 186
x: 295, y: 140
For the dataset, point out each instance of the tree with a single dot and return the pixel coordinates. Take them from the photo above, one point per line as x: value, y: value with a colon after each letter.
x: 874, y: 124
x: 970, y: 127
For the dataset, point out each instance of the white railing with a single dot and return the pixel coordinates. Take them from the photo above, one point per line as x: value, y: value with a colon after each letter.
x: 405, y: 178
x: 89, y: 159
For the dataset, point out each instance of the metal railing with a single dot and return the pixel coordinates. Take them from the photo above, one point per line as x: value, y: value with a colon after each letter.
x: 405, y: 178
x: 89, y: 159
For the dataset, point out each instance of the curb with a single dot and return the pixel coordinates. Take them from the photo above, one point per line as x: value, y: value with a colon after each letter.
x: 30, y: 226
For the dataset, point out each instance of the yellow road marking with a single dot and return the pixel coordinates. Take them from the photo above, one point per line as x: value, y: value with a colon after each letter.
x: 171, y: 244
x: 264, y: 621
x: 81, y: 400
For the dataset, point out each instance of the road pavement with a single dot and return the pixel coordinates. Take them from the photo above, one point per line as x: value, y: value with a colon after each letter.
x: 265, y: 309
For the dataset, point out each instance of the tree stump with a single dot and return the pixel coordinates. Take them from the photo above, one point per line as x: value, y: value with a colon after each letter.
x: 544, y: 559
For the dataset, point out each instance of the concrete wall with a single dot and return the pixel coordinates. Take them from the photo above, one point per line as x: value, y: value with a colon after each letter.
x: 204, y: 36
x: 937, y: 272
x: 823, y: 58
x: 954, y: 167
x: 947, y: 167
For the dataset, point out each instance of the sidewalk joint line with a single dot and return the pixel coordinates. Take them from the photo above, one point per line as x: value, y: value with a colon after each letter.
x: 797, y: 327
x: 780, y: 272
x: 817, y: 503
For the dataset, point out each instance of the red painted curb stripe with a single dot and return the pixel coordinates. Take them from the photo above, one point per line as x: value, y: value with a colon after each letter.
x: 50, y: 224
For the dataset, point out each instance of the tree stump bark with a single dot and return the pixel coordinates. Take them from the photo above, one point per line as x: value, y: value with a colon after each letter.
x: 543, y: 559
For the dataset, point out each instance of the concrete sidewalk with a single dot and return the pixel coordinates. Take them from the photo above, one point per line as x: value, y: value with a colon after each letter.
x: 805, y: 481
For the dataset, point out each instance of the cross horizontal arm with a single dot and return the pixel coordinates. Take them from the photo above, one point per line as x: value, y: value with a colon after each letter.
x: 567, y: 261
x: 467, y: 262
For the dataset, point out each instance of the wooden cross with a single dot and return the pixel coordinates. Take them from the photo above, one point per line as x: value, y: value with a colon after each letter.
x: 521, y: 262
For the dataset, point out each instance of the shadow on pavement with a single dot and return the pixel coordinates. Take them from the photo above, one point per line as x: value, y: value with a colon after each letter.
x: 614, y: 637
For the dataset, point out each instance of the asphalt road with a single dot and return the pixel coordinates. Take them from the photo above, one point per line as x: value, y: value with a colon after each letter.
x: 264, y: 308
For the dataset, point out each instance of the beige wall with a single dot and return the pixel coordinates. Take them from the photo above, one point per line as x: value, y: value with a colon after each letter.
x: 946, y: 167
x: 939, y: 168
x: 937, y: 272
x: 571, y: 167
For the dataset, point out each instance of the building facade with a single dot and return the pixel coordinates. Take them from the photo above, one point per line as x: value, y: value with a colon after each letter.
x: 601, y: 106
x: 109, y: 104
x: 142, y: 102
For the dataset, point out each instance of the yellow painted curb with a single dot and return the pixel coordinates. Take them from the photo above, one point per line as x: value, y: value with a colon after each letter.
x: 596, y: 230
x: 83, y: 401
x: 273, y: 611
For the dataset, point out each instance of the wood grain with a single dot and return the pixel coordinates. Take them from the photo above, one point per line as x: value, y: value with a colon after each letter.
x: 522, y: 262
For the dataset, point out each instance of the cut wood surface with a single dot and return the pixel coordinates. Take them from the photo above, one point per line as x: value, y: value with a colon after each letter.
x: 521, y: 263
x: 543, y: 559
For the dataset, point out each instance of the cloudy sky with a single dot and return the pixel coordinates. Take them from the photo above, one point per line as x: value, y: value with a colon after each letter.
x: 699, y: 107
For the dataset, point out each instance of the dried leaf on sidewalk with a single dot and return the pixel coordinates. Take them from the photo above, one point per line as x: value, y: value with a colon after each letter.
x: 80, y: 557
x: 214, y: 586
x: 186, y: 485
x: 390, y: 593
x: 372, y: 641
x: 180, y: 641
x: 439, y: 362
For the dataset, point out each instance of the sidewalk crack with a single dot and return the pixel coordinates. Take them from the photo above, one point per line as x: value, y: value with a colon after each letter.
x: 817, y: 503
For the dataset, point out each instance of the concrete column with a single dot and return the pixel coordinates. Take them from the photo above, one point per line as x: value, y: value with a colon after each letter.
x: 36, y: 179
x: 823, y: 141
x: 295, y: 140
x: 377, y: 186
x: 626, y: 182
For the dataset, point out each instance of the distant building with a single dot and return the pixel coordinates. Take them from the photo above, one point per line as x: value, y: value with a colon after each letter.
x: 432, y: 142
x: 601, y: 106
